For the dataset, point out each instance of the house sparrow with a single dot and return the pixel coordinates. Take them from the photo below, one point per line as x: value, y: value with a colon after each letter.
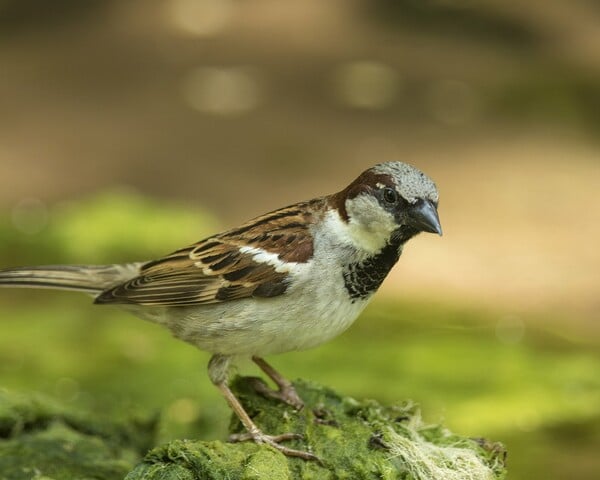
x: 287, y: 280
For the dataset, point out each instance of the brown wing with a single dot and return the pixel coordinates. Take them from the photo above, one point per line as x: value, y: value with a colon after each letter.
x: 216, y: 270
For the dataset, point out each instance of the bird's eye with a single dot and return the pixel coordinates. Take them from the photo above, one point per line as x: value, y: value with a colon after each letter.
x: 390, y: 195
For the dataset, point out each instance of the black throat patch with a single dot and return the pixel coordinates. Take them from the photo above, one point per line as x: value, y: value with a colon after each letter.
x: 362, y: 279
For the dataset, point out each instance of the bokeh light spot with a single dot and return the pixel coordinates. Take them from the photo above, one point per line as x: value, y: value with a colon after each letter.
x: 366, y: 84
x: 140, y: 349
x: 221, y: 91
x: 201, y: 18
x: 183, y: 410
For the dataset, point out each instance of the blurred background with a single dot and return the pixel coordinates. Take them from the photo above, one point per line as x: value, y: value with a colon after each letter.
x: 129, y: 129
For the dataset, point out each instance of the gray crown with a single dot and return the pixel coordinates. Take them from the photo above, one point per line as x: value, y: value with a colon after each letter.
x: 411, y: 183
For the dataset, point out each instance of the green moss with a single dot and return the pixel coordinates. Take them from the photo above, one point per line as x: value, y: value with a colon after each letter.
x: 41, y: 439
x: 355, y: 440
x: 208, y: 460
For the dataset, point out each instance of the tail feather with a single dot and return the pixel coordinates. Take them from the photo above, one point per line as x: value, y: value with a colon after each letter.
x: 92, y: 279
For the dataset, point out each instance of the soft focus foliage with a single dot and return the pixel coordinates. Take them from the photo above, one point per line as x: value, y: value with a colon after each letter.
x: 111, y: 227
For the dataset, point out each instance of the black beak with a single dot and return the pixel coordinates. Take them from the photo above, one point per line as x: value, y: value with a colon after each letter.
x: 424, y: 216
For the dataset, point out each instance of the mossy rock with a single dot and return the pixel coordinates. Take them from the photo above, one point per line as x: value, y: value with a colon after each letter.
x: 354, y: 440
x: 42, y: 439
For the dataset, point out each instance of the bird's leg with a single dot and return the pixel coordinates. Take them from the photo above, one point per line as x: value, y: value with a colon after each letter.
x: 286, y: 391
x: 217, y: 371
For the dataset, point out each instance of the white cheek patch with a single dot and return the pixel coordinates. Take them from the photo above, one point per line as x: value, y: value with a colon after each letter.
x: 370, y: 226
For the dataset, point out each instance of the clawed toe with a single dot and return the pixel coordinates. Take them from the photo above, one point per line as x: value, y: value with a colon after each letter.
x: 254, y: 432
x: 290, y: 452
x: 244, y: 437
x: 273, y: 441
x: 289, y: 396
x: 286, y: 436
x: 286, y: 394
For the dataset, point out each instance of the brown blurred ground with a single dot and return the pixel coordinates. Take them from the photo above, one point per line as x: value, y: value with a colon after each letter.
x: 246, y: 106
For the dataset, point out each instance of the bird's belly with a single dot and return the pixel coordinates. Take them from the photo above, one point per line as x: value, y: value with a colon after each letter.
x: 294, y: 321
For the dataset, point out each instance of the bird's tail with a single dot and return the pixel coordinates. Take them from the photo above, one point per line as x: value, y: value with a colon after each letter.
x: 92, y: 279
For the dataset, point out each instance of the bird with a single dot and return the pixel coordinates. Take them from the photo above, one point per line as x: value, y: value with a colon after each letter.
x: 287, y: 280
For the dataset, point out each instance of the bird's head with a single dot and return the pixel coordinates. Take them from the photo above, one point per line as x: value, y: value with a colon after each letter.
x: 390, y: 202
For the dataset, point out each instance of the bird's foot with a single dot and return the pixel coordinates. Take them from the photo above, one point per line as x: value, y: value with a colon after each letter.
x: 286, y: 393
x: 273, y: 440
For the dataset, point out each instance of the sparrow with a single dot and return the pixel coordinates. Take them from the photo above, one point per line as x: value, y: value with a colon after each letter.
x: 288, y: 280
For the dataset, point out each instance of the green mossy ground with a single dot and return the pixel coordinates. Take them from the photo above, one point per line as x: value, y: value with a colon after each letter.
x: 40, y: 438
x: 355, y: 440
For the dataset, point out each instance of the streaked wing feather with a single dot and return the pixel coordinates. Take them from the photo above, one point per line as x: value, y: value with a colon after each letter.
x: 215, y: 270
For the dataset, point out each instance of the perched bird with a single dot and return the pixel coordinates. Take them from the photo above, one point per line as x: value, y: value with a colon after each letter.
x: 287, y: 280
